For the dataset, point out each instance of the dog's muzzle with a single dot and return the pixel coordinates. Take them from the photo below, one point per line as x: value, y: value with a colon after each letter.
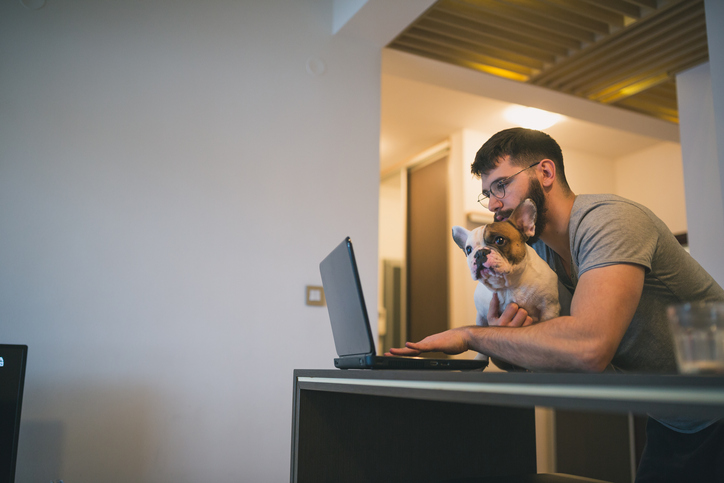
x: 481, y: 256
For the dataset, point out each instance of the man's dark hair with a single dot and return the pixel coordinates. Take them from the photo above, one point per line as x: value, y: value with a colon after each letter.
x: 524, y: 147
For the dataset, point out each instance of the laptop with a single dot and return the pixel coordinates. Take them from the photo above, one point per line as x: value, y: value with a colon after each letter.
x: 351, y: 326
x: 12, y: 379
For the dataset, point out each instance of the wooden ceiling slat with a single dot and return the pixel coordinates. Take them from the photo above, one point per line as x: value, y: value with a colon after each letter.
x: 611, y: 61
x: 618, y: 6
x: 455, y: 52
x: 548, y: 10
x: 629, y: 43
x: 645, y: 3
x: 664, y: 103
x: 693, y: 60
x: 644, y: 99
x: 535, y: 46
x: 664, y: 64
x: 473, y: 48
x: 662, y: 94
x: 485, y: 41
x: 668, y: 88
x: 671, y: 86
x: 490, y: 18
x: 623, y: 53
x: 592, y: 11
x: 667, y: 64
x: 631, y: 87
x: 513, y: 12
x: 660, y: 60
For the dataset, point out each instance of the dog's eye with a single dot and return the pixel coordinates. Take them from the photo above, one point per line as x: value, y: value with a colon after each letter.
x: 499, y: 240
x: 468, y: 249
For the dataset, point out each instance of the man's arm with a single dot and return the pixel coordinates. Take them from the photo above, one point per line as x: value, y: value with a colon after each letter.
x: 603, y: 305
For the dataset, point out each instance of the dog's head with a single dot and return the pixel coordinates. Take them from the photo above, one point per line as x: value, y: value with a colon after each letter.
x: 498, y: 249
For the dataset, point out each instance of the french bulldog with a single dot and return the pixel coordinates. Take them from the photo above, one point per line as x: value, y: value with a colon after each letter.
x: 502, y: 262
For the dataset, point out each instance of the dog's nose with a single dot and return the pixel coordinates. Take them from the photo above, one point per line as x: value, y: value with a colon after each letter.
x: 482, y: 255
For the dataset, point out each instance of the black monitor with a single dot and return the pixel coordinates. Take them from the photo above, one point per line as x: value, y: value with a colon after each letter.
x: 12, y: 379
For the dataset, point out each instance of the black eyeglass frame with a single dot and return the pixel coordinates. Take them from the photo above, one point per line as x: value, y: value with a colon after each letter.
x: 500, y: 184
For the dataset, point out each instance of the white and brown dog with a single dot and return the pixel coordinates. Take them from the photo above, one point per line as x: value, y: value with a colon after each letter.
x: 502, y: 263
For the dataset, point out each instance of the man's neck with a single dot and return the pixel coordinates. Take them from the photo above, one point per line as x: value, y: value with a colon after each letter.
x: 555, y: 234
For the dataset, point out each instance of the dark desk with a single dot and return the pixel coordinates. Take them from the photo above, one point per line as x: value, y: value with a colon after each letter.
x: 432, y: 426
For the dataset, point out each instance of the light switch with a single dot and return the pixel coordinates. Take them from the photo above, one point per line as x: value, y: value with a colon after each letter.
x: 315, y: 295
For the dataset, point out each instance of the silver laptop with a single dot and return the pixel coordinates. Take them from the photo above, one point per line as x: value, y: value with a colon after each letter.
x: 350, y: 324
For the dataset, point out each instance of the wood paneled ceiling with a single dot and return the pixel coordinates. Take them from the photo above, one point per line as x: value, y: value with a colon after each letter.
x: 624, y: 53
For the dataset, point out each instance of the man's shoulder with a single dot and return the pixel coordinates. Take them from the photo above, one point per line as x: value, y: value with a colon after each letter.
x: 593, y: 200
x: 605, y: 208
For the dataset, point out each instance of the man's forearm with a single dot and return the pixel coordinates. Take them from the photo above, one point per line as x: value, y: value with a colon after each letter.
x: 554, y: 345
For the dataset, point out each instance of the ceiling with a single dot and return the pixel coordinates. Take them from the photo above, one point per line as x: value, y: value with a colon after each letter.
x: 623, y: 53
x: 417, y: 115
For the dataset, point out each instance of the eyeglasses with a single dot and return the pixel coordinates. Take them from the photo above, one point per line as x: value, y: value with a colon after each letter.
x: 497, y: 189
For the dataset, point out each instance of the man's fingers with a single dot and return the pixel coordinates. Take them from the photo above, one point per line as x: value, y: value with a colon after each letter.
x: 520, y: 318
x: 404, y: 351
x: 494, y: 309
x: 507, y: 318
x: 450, y: 342
x: 410, y: 349
x: 514, y: 316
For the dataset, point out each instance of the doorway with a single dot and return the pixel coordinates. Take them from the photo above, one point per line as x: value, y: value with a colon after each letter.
x: 427, y: 249
x: 414, y: 245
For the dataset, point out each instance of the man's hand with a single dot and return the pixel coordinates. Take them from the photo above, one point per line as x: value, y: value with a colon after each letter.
x: 452, y: 341
x: 512, y: 316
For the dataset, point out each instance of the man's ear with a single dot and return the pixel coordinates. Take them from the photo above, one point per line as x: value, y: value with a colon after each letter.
x: 524, y: 217
x: 548, y: 168
x: 460, y: 235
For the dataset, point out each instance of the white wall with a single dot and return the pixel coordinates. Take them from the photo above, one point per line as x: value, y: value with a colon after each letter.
x: 705, y: 209
x: 463, y: 194
x: 715, y: 36
x: 392, y: 218
x: 654, y: 177
x: 700, y: 92
x: 588, y: 173
x: 170, y: 177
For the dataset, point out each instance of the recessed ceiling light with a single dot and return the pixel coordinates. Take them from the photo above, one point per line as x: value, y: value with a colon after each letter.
x: 531, y: 117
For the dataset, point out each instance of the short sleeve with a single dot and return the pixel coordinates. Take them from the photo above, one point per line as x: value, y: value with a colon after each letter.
x: 612, y: 233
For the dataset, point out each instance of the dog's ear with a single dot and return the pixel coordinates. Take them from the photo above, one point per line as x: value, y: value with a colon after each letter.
x: 460, y: 235
x: 524, y: 217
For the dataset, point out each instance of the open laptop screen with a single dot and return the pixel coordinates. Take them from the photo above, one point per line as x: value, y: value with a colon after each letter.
x: 345, y: 302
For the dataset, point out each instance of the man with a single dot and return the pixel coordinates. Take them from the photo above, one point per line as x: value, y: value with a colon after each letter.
x: 623, y: 267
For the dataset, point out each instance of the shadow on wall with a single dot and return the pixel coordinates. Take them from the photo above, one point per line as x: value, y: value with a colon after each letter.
x: 39, y: 451
x: 104, y: 431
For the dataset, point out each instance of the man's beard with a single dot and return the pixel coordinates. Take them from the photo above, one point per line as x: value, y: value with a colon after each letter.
x: 535, y: 193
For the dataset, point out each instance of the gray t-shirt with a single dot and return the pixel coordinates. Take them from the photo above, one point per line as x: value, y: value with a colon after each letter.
x: 609, y: 230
